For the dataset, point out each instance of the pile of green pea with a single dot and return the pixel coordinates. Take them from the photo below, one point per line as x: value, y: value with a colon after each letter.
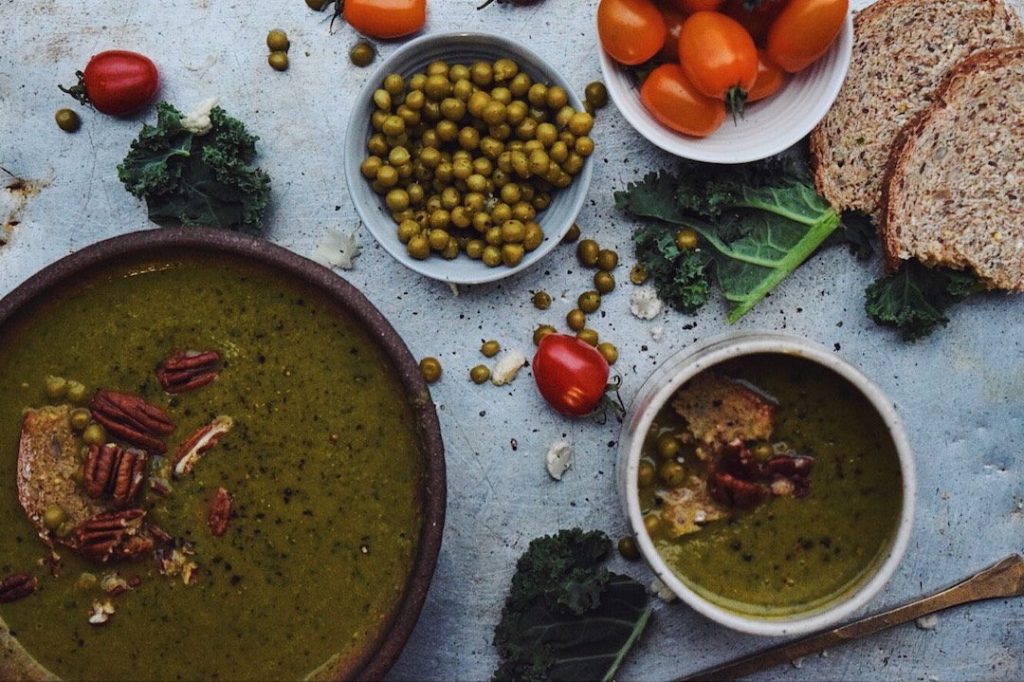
x: 466, y: 156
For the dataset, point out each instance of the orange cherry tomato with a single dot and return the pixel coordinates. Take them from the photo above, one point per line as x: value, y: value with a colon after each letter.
x: 674, y: 19
x: 757, y: 21
x: 385, y: 18
x: 671, y: 98
x: 718, y: 56
x: 697, y: 5
x: 770, y: 78
x: 804, y: 31
x: 631, y: 31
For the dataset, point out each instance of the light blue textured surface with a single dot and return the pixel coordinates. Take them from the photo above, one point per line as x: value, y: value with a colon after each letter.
x: 959, y: 392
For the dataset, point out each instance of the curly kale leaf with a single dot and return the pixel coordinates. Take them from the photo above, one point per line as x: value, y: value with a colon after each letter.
x: 758, y: 222
x: 566, y: 617
x: 915, y: 298
x: 196, y: 179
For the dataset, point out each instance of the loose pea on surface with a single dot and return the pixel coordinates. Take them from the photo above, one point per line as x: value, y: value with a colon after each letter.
x: 362, y: 53
x: 430, y: 368
x: 572, y: 235
x: 589, y: 301
x: 607, y: 260
x: 596, y: 94
x: 588, y: 336
x: 576, y: 319
x: 609, y: 351
x: 278, y: 61
x: 638, y: 274
x: 628, y: 548
x: 541, y: 300
x: 587, y: 251
x: 490, y: 348
x: 67, y: 120
x: 479, y: 374
x: 604, y: 282
x: 542, y: 331
x: 277, y: 41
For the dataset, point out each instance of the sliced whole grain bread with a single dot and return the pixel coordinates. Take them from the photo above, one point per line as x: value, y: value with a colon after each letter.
x: 903, y: 50
x: 954, y: 188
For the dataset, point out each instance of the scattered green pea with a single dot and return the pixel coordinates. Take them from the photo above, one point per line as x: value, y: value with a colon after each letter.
x: 687, y: 239
x: 53, y: 517
x: 430, y: 368
x: 589, y: 301
x: 609, y: 351
x: 588, y: 336
x: 68, y: 120
x: 80, y: 419
x: 541, y: 300
x: 542, y: 331
x: 362, y: 53
x: 572, y: 235
x: 604, y: 282
x: 638, y: 274
x: 645, y: 474
x: 490, y: 348
x: 596, y: 94
x: 587, y: 251
x: 668, y: 446
x: 77, y: 392
x: 479, y: 374
x: 56, y: 387
x: 652, y: 523
x: 576, y: 319
x: 628, y: 548
x: 278, y: 61
x: 672, y: 473
x: 607, y: 260
x: 277, y: 41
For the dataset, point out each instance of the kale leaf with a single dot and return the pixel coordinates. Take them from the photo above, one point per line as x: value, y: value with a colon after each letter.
x: 915, y: 298
x: 566, y: 617
x: 197, y: 179
x: 758, y: 222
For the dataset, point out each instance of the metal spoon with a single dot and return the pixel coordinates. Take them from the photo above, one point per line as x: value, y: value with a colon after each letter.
x: 1000, y: 580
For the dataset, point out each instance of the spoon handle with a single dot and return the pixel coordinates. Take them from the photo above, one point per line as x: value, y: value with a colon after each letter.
x: 1003, y: 579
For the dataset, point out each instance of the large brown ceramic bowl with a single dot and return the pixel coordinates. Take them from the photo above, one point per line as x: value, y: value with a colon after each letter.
x: 374, y: 660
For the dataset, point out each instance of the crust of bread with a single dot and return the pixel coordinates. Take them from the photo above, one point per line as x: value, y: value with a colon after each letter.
x: 821, y: 142
x: 895, y: 180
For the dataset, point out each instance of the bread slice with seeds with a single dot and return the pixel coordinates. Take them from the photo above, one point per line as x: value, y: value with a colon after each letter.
x: 903, y: 50
x: 954, y: 189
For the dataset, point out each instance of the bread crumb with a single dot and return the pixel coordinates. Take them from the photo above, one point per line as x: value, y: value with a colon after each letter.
x: 929, y: 622
x: 558, y: 459
x: 507, y: 368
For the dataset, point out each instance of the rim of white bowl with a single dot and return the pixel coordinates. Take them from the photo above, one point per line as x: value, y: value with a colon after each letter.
x: 715, y: 148
x: 568, y: 201
x: 690, y: 362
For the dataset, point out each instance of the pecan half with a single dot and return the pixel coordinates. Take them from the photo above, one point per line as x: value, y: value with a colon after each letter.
x: 111, y: 535
x: 220, y: 513
x: 132, y: 419
x: 735, y: 492
x: 17, y: 586
x: 114, y: 471
x: 186, y: 370
x: 198, y: 443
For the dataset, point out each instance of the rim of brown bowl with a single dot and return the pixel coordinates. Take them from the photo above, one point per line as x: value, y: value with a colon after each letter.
x: 376, y: 658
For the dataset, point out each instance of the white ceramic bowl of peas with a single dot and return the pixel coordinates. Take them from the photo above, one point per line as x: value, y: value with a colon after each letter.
x: 466, y: 49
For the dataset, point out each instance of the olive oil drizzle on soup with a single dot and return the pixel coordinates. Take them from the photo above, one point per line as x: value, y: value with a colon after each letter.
x: 795, y: 554
x: 324, y: 465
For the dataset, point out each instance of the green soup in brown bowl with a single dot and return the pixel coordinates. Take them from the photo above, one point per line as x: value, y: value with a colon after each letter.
x: 217, y: 461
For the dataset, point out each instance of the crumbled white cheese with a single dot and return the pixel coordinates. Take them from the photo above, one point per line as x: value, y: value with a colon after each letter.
x: 661, y: 590
x: 644, y: 303
x: 337, y: 250
x: 101, y: 612
x: 558, y: 459
x: 929, y: 622
x: 657, y: 333
x: 198, y: 122
x: 507, y: 368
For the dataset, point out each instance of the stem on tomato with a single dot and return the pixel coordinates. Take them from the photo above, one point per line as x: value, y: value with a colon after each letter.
x: 735, y: 102
x: 78, y: 89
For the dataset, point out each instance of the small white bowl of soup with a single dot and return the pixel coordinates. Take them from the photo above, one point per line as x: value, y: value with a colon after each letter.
x: 769, y: 483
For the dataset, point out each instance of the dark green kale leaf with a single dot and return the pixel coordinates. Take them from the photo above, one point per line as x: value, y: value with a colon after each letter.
x: 196, y: 179
x: 858, y: 232
x: 758, y: 222
x: 915, y: 298
x: 566, y: 617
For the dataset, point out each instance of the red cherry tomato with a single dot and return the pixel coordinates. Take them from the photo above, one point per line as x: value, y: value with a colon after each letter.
x: 804, y: 31
x: 757, y: 21
x: 631, y: 31
x: 770, y: 78
x: 571, y: 375
x: 718, y: 56
x: 672, y: 99
x: 118, y: 82
x: 674, y: 19
x: 697, y: 5
x: 386, y: 18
